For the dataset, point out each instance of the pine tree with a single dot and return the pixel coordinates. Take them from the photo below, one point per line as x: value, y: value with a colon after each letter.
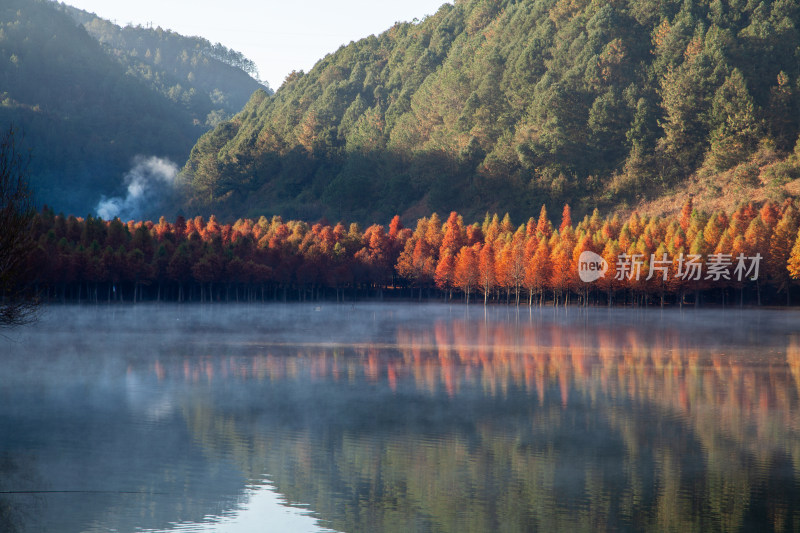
x: 738, y: 129
x: 782, y: 108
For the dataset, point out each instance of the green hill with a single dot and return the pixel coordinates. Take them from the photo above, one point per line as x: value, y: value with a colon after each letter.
x: 88, y: 109
x: 505, y: 105
x: 211, y: 81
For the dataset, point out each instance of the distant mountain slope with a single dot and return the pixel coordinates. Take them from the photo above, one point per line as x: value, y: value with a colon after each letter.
x: 204, y: 78
x: 505, y: 105
x: 85, y: 114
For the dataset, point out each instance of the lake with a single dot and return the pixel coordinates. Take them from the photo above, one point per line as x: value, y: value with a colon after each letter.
x: 394, y: 417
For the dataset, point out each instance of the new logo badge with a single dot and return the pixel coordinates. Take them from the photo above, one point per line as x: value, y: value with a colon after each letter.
x: 591, y: 266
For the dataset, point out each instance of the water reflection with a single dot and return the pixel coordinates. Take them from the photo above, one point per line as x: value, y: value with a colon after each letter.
x: 261, y: 508
x: 386, y: 418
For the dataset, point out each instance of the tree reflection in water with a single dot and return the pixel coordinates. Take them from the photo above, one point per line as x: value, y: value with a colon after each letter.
x: 403, y: 418
x: 516, y: 425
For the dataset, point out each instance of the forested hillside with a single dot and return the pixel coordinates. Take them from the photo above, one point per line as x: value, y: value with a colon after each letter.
x: 86, y: 110
x: 211, y: 81
x: 505, y: 105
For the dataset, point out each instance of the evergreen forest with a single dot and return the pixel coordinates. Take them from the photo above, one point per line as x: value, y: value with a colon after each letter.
x: 507, y: 105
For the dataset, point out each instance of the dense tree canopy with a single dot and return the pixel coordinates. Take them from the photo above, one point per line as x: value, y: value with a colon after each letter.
x: 720, y: 257
x: 211, y: 81
x: 505, y: 105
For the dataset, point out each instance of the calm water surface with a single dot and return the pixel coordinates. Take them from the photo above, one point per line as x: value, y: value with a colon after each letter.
x: 400, y: 418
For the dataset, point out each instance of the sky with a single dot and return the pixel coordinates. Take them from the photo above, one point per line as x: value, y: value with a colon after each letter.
x: 280, y: 36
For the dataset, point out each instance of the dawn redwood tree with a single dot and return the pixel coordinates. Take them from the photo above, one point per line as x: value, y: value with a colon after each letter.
x: 207, y: 271
x: 395, y: 225
x: 405, y: 261
x: 502, y: 263
x: 506, y: 227
x: 96, y: 271
x: 434, y: 235
x: 179, y: 268
x: 453, y: 237
x: 685, y: 217
x: 445, y: 273
x: 610, y: 228
x: 515, y: 262
x: 544, y: 228
x: 162, y: 230
x: 566, y: 218
x: 416, y: 263
x: 780, y: 251
x: 699, y: 249
x: 137, y: 271
x: 608, y: 283
x: 398, y: 235
x: 376, y: 255
x: 117, y: 234
x: 757, y: 238
x: 159, y: 263
x: 466, y: 272
x: 486, y: 270
x: 530, y: 228
x: 595, y: 221
x: 491, y: 228
x: 538, y: 271
x: 584, y: 244
x: 561, y: 266
x: 661, y: 279
x: 740, y: 219
x: 715, y: 228
x: 474, y: 234
x: 739, y: 247
x: 770, y: 214
x: 794, y: 259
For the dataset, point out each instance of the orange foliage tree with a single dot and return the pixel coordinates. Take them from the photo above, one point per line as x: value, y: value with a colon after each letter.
x: 650, y: 259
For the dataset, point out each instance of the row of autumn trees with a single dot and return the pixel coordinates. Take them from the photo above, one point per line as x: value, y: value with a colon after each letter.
x: 197, y: 259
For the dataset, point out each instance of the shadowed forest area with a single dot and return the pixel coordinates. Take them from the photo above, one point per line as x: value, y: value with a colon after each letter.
x: 90, y: 96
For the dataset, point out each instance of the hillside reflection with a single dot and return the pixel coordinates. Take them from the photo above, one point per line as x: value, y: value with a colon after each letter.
x: 471, y: 425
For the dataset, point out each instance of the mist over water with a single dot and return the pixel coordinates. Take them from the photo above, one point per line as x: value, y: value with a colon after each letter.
x: 373, y: 417
x: 149, y: 183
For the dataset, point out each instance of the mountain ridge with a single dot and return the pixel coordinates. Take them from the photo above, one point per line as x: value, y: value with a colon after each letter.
x: 504, y: 106
x: 85, y: 114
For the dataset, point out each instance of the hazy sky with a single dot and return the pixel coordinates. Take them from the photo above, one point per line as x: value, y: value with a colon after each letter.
x: 280, y: 36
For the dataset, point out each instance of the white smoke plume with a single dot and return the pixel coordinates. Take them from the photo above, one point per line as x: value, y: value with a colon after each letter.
x: 149, y: 181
